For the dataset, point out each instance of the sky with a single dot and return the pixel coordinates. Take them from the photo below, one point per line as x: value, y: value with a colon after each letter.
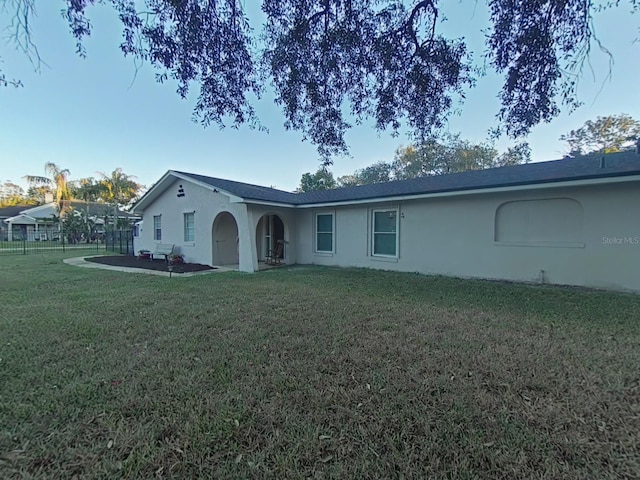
x: 96, y: 114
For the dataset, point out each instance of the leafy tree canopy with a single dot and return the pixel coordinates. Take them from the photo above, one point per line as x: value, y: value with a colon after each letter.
x: 330, y: 61
x: 88, y: 190
x: 11, y: 200
x: 376, y: 173
x: 437, y: 156
x: 451, y: 154
x: 609, y: 134
x: 321, y: 180
x: 39, y: 193
x: 12, y: 194
x: 75, y: 223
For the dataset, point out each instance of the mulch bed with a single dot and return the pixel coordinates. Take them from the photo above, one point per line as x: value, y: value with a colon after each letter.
x: 148, y: 264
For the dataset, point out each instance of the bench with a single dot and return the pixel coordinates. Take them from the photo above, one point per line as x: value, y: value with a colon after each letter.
x: 165, y: 249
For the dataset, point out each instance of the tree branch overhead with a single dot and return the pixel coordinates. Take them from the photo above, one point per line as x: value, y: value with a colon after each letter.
x: 331, y: 63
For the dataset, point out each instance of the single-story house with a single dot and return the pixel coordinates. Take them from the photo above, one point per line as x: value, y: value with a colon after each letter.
x: 572, y: 221
x: 9, y: 212
x: 33, y: 223
x: 39, y: 222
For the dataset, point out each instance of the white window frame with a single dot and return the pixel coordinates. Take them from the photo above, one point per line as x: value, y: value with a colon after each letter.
x: 156, y: 230
x: 333, y: 233
x: 373, y: 232
x: 185, y: 230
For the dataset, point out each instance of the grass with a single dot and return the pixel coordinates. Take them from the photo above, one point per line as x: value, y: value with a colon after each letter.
x: 310, y: 372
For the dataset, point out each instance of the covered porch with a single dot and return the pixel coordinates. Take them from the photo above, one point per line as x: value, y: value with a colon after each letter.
x: 250, y: 240
x: 25, y: 227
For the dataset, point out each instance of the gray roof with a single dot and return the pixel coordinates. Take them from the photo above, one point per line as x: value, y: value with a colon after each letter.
x: 246, y: 190
x: 12, y: 211
x: 579, y: 168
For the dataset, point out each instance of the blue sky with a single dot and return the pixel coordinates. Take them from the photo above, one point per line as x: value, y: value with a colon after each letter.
x: 91, y: 114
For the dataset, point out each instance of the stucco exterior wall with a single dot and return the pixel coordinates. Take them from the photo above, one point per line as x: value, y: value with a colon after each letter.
x: 588, y: 236
x: 206, y: 205
x: 457, y: 236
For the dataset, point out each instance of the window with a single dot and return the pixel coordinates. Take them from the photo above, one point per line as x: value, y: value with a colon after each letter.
x: 189, y: 227
x: 385, y: 233
x: 324, y: 232
x: 157, y: 227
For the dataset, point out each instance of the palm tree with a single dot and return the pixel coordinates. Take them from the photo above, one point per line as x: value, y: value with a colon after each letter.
x: 120, y: 190
x: 58, y: 179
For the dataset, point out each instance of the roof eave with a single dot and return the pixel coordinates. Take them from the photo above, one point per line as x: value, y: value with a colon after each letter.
x: 37, y: 208
x: 15, y: 218
x: 150, y: 194
x: 161, y: 185
x: 634, y: 176
x: 266, y: 203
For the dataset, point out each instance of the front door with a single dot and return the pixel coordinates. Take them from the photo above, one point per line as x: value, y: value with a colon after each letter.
x: 277, y: 233
x: 273, y: 230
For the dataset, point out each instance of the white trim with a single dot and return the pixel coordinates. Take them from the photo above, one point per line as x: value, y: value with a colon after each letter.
x: 198, y: 182
x: 155, y: 230
x: 232, y: 198
x: 149, y: 192
x: 383, y: 258
x: 373, y: 232
x: 192, y: 241
x: 149, y: 196
x: 25, y: 216
x: 333, y: 233
x: 38, y: 208
x: 269, y: 204
x: 479, y: 191
x: 323, y: 254
x: 162, y: 185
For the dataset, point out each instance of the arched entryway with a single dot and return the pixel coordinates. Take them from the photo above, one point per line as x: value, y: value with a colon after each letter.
x: 269, y: 232
x: 224, y: 233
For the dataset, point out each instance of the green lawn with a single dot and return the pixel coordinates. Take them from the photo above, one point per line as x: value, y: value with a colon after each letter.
x: 312, y: 372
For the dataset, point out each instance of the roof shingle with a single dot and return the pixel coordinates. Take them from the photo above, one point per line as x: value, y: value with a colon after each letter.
x: 12, y: 211
x: 579, y: 168
x: 246, y: 190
